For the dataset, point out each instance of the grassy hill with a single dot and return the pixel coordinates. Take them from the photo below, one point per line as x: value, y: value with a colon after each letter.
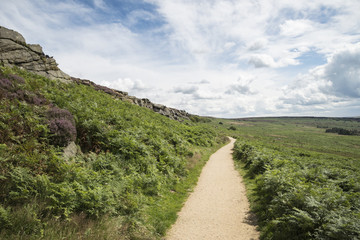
x: 79, y: 163
x: 303, y: 181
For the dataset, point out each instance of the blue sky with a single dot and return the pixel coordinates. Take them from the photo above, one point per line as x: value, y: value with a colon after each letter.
x: 223, y: 58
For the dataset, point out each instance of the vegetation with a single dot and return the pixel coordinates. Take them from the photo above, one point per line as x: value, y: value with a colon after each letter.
x: 302, y: 182
x: 343, y: 131
x: 126, y: 161
x: 78, y: 163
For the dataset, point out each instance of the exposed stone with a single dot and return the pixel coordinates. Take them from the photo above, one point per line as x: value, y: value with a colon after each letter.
x: 11, y: 34
x: 171, y: 113
x: 70, y: 151
x: 36, y: 48
x: 14, y: 51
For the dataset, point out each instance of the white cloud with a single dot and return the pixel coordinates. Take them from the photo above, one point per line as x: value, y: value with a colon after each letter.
x: 186, y: 89
x: 305, y: 92
x: 100, y: 4
x: 129, y: 85
x: 332, y: 87
x: 343, y: 70
x: 193, y: 59
x: 204, y: 81
x: 296, y: 28
x: 257, y: 45
x: 262, y: 60
x: 229, y: 45
x: 241, y: 86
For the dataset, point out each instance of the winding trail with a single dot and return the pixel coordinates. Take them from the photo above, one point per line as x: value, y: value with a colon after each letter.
x: 218, y: 207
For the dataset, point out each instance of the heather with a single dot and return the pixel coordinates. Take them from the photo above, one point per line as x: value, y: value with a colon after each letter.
x: 127, y: 159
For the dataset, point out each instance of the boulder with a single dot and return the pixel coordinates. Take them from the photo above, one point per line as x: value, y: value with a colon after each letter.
x: 11, y: 35
x: 15, y: 52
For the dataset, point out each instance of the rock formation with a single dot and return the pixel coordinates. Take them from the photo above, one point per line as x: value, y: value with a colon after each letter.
x: 171, y: 113
x: 14, y: 51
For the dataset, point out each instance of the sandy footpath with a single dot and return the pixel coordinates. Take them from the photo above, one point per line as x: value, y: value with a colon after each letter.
x: 218, y: 207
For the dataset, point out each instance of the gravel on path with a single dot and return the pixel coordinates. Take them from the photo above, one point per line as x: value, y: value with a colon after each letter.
x: 218, y: 207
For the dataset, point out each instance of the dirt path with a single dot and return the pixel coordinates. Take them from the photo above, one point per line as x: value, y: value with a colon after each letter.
x: 218, y: 207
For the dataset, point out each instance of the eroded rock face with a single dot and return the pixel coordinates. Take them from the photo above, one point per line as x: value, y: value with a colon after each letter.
x: 14, y: 51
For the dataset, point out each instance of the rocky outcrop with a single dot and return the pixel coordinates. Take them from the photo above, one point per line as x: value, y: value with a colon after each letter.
x: 14, y: 51
x: 171, y: 113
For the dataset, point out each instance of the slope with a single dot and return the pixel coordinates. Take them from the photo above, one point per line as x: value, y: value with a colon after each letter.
x: 78, y: 162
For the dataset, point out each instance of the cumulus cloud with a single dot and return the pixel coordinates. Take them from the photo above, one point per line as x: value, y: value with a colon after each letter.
x: 329, y: 88
x: 257, y: 45
x: 343, y: 70
x: 262, y: 60
x: 306, y: 92
x: 295, y: 28
x: 196, y: 93
x: 186, y: 89
x: 100, y: 4
x: 128, y: 85
x: 229, y: 45
x: 204, y: 81
x: 160, y: 43
x: 338, y: 79
x: 242, y: 86
x: 201, y: 82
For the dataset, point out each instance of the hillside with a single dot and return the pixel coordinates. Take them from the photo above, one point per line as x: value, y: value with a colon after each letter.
x: 92, y: 160
x: 70, y: 153
x: 83, y: 161
x: 14, y: 51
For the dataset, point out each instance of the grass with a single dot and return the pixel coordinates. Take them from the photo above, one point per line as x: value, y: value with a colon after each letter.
x: 302, y: 183
x: 172, y: 201
x: 135, y: 168
x: 302, y: 134
x: 129, y: 158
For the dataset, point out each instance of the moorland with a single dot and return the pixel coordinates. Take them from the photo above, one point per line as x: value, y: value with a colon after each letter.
x: 78, y: 163
x: 303, y: 180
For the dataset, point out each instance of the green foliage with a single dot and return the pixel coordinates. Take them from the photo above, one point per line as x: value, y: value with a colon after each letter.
x: 343, y: 131
x: 302, y: 198
x: 232, y: 128
x: 4, y: 218
x: 195, y: 118
x: 129, y: 157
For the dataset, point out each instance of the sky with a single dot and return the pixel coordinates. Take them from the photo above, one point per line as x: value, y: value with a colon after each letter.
x: 221, y: 58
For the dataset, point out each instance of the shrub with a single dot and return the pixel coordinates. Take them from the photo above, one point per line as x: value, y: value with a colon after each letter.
x: 232, y: 128
x: 4, y: 218
x: 301, y: 198
x: 17, y: 79
x: 62, y: 126
x: 342, y: 131
x: 64, y: 131
x: 130, y: 156
x: 5, y: 83
x: 58, y: 113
